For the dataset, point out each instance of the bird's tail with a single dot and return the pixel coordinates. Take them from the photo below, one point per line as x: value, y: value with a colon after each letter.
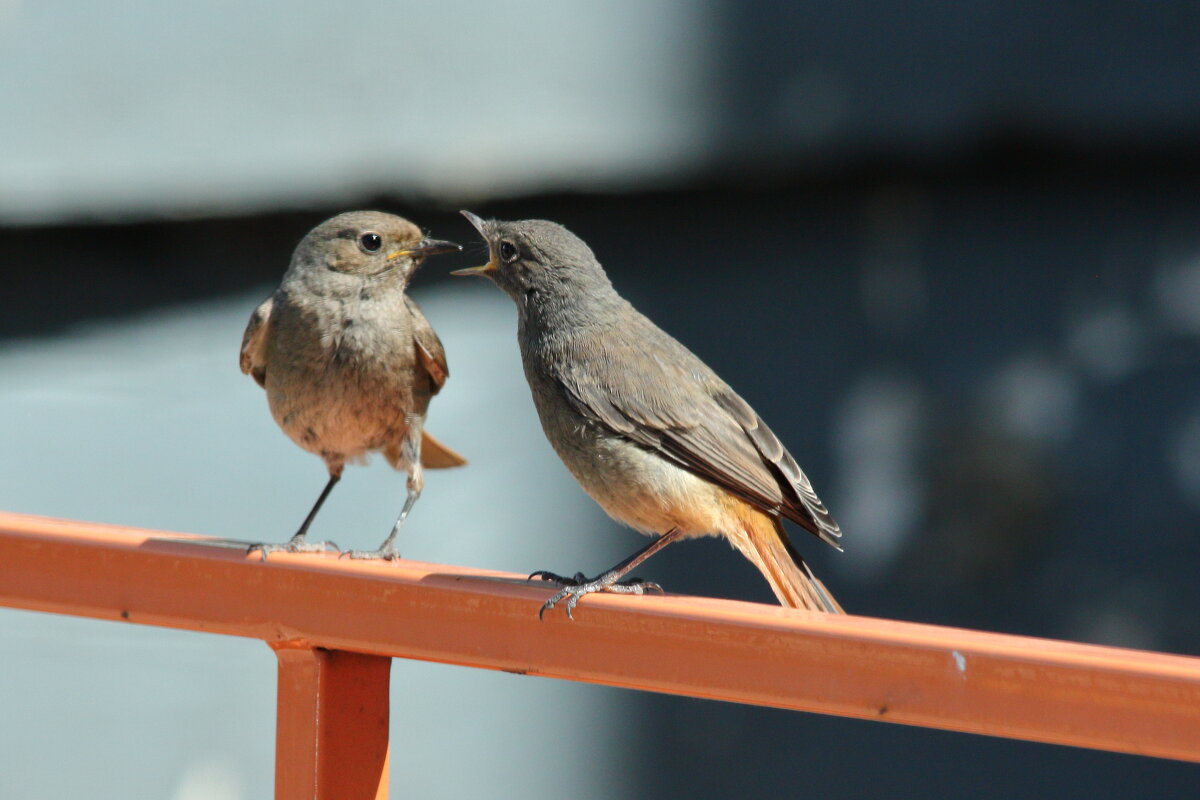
x: 435, y: 455
x: 767, y: 547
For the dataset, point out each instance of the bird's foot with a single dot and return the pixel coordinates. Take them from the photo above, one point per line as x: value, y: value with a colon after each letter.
x: 293, y: 546
x: 385, y: 553
x: 572, y: 589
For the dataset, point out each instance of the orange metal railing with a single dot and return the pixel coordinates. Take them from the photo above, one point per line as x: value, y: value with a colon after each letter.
x: 335, y: 624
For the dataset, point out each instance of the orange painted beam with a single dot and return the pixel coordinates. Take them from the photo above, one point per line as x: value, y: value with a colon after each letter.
x: 332, y: 712
x: 1014, y: 686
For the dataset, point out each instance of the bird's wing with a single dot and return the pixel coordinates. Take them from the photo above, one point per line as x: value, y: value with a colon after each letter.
x: 432, y: 358
x: 253, y: 358
x: 803, y: 500
x: 672, y: 403
x: 430, y: 353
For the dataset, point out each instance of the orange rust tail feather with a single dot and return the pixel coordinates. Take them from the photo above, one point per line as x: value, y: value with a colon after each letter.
x: 764, y: 542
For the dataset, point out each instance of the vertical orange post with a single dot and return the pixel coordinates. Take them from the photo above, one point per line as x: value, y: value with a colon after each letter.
x: 331, y: 725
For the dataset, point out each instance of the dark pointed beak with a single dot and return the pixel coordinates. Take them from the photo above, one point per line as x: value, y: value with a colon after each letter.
x: 481, y: 226
x: 426, y: 247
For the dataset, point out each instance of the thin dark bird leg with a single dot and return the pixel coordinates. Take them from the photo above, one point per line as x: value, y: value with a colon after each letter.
x: 575, y: 588
x: 298, y: 544
x: 312, y: 514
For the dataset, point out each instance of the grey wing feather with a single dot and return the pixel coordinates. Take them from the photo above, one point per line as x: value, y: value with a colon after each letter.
x: 683, y: 411
x: 770, y: 448
x: 430, y: 353
x: 253, y: 356
x: 592, y: 399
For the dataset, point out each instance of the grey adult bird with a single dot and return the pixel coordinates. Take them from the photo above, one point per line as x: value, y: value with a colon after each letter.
x: 648, y: 430
x: 348, y: 360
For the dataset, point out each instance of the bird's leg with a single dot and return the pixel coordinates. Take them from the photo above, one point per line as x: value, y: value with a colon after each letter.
x: 411, y: 456
x: 387, y: 551
x: 298, y: 544
x: 575, y: 588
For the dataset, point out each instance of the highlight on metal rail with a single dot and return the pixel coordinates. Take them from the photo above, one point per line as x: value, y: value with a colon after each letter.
x: 336, y: 624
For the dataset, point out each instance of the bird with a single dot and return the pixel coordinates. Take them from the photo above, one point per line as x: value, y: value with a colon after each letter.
x: 648, y: 430
x: 348, y: 361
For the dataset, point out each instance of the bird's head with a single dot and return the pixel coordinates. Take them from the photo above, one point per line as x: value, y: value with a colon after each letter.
x: 367, y: 244
x: 536, y: 257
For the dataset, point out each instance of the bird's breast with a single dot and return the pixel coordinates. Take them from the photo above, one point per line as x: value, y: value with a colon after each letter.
x: 640, y: 488
x: 342, y: 378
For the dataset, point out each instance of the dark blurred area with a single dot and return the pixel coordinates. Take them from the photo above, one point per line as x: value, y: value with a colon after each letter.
x: 951, y: 253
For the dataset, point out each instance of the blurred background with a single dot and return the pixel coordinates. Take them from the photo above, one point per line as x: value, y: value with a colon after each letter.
x: 950, y: 251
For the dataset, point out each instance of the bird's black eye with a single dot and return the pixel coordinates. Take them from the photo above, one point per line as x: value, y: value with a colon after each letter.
x: 370, y: 242
x: 508, y: 251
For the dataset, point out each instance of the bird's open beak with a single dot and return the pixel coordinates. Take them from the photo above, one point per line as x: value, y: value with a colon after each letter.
x: 482, y: 269
x: 491, y: 265
x: 426, y: 247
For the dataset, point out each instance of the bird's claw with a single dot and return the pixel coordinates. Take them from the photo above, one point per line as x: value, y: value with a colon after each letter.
x: 573, y: 589
x: 554, y: 577
x: 293, y: 547
x: 377, y: 555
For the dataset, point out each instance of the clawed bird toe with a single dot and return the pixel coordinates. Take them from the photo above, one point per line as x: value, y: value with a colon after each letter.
x: 373, y: 555
x: 293, y: 547
x: 574, y: 589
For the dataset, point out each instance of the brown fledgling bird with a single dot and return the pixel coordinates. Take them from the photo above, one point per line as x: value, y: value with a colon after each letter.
x: 648, y: 430
x: 348, y: 360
